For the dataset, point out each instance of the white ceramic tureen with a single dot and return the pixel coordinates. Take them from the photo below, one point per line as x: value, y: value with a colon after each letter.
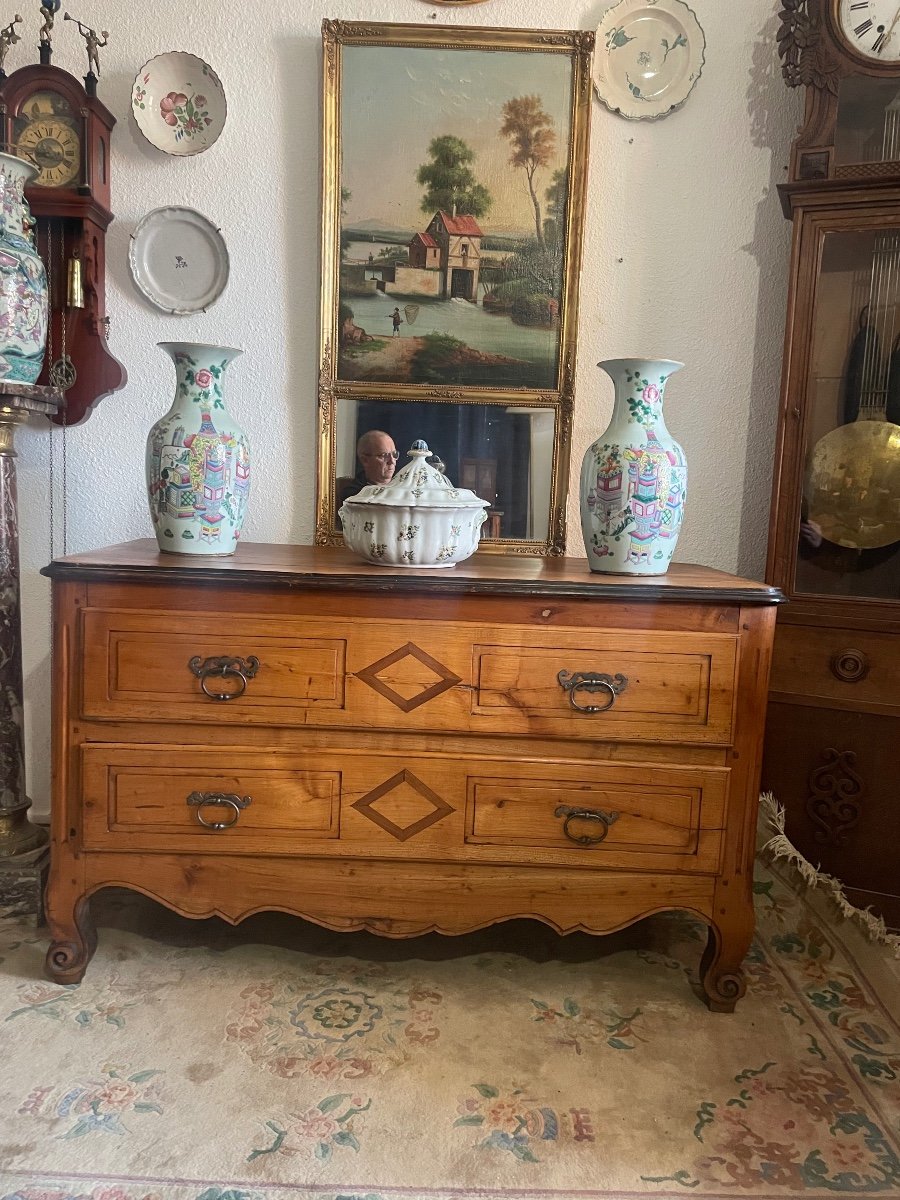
x: 419, y: 519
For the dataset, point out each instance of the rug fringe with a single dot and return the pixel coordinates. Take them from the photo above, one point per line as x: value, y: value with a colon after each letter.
x: 780, y: 848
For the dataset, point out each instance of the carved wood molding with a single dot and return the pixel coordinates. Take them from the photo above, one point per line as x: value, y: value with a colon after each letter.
x: 836, y: 792
x: 806, y: 58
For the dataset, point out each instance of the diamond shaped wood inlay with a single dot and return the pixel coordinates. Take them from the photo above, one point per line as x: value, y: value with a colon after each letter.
x: 446, y: 679
x: 440, y: 808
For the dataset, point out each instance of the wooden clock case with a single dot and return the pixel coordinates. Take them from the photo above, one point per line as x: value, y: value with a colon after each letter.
x: 834, y: 714
x: 71, y: 224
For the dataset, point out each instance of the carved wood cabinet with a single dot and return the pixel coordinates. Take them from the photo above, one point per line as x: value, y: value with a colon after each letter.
x: 406, y: 751
x: 834, y: 545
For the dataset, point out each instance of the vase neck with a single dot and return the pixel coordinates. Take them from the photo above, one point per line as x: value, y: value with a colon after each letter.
x: 199, y: 371
x: 640, y: 389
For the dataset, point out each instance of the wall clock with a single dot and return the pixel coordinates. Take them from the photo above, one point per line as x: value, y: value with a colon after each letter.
x: 53, y: 120
x: 834, y: 543
x: 871, y: 29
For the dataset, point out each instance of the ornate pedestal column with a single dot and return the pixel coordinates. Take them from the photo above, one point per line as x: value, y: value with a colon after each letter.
x: 23, y: 846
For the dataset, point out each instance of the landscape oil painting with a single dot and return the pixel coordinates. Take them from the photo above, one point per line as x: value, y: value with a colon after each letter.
x: 458, y: 202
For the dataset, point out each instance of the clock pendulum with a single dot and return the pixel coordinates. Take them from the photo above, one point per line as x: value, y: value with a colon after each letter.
x: 66, y: 293
x: 854, y: 475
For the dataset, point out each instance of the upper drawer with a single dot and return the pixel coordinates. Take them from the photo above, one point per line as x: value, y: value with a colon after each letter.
x: 443, y: 677
x: 474, y: 678
x: 662, y: 687
x: 137, y: 666
x: 838, y: 667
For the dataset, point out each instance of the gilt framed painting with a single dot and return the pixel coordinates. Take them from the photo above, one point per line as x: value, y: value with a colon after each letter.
x: 455, y: 170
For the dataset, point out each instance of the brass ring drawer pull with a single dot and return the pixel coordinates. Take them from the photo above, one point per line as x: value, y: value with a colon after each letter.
x: 572, y: 683
x: 224, y: 668
x: 235, y: 803
x: 586, y: 814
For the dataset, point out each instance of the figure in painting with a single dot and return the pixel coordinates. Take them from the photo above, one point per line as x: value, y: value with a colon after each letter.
x: 396, y: 321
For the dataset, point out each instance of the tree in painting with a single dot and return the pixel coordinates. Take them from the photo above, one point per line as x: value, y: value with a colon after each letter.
x: 450, y: 181
x: 533, y: 138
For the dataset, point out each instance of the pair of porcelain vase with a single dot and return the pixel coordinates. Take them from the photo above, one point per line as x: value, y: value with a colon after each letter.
x: 633, y: 478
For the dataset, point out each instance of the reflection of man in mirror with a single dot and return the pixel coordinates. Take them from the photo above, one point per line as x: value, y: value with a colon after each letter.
x: 377, y: 456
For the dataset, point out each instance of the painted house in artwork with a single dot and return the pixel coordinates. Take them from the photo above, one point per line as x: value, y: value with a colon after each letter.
x: 458, y: 239
x: 424, y: 253
x: 444, y: 262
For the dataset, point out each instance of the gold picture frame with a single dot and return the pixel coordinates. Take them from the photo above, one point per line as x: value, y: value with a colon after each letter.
x: 484, y: 338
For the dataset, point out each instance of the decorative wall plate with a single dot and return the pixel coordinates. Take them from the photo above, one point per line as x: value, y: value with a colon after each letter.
x: 648, y: 57
x: 178, y: 260
x: 179, y: 103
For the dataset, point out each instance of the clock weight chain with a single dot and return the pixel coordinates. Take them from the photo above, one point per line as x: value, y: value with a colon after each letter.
x: 61, y: 371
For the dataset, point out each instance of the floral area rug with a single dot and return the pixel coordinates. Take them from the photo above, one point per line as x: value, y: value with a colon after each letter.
x: 278, y: 1060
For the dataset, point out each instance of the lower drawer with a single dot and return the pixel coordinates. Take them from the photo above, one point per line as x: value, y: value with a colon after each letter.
x: 418, y: 807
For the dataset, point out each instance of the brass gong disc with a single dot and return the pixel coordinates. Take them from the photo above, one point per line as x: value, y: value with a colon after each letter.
x: 854, y: 485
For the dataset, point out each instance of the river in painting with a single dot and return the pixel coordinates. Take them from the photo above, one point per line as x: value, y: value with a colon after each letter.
x: 515, y: 355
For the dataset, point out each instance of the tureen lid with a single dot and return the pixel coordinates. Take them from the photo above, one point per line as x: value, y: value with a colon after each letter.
x: 419, y: 484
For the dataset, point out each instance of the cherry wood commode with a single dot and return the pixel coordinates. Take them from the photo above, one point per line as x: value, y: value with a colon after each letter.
x: 406, y: 751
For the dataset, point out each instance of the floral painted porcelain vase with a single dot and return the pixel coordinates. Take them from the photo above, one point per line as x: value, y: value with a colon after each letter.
x: 23, y: 280
x: 634, y: 477
x: 198, y: 459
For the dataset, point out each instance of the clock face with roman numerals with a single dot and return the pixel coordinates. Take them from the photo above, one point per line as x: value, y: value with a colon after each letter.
x: 48, y: 134
x: 872, y: 28
x: 54, y: 148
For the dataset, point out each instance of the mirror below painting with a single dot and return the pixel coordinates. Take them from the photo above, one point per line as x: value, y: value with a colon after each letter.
x: 506, y: 454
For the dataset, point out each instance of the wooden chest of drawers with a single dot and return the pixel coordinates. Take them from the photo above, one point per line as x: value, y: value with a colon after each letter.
x: 407, y: 751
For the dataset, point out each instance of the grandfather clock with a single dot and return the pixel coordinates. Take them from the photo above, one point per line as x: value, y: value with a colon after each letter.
x: 56, y: 122
x: 834, y: 545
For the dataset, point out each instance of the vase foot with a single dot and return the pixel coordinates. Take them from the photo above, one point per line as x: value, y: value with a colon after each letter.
x: 631, y: 574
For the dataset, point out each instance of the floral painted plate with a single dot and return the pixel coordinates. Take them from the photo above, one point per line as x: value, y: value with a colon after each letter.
x: 649, y: 55
x: 179, y: 260
x: 179, y: 103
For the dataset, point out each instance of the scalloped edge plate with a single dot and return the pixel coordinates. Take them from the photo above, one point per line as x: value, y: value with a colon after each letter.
x: 178, y: 260
x: 616, y: 71
x: 179, y: 103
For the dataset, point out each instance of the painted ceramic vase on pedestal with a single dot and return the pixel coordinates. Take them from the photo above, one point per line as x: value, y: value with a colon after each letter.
x: 23, y: 280
x: 198, y: 459
x: 634, y: 477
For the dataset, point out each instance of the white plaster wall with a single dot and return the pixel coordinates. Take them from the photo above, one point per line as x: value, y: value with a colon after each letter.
x: 686, y: 257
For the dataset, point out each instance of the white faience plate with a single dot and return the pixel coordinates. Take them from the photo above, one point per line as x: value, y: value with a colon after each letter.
x: 179, y: 103
x: 179, y: 260
x: 649, y: 55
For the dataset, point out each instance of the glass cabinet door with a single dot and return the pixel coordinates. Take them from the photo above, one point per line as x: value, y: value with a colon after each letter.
x: 849, y: 538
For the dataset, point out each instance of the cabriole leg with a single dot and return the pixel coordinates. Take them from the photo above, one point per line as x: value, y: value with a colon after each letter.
x: 74, y: 940
x: 720, y: 968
